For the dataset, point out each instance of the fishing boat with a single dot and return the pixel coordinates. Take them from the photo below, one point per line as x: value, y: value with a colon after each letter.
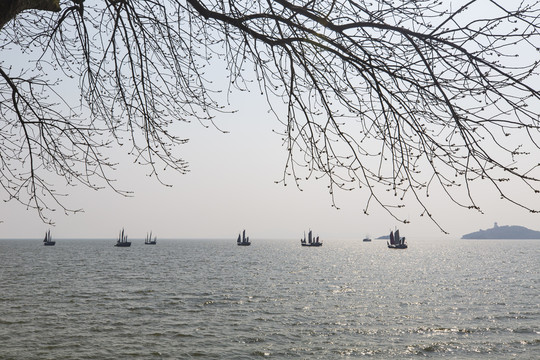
x: 242, y: 240
x: 122, y: 240
x: 396, y: 241
x: 47, y: 241
x: 311, y: 240
x: 366, y: 239
x: 149, y: 240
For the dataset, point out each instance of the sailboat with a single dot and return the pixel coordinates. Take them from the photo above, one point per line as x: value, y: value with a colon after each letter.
x: 311, y: 240
x: 122, y: 240
x: 47, y: 241
x: 242, y: 240
x: 396, y: 242
x: 149, y: 240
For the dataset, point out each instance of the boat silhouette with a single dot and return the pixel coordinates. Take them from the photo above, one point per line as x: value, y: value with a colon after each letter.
x: 242, y: 240
x: 122, y: 240
x: 149, y: 240
x: 47, y: 241
x: 396, y: 242
x: 311, y: 240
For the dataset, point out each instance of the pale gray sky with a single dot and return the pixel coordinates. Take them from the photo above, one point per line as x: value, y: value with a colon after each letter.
x: 231, y: 187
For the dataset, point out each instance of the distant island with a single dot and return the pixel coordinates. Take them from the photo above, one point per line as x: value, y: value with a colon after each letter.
x: 504, y: 232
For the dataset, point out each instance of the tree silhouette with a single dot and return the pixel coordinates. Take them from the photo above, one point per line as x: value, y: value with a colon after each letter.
x: 393, y: 97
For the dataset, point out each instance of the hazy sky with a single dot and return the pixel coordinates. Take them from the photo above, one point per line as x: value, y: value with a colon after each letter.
x: 231, y: 187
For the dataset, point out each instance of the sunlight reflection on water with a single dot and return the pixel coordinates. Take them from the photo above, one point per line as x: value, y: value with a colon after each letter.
x: 212, y: 299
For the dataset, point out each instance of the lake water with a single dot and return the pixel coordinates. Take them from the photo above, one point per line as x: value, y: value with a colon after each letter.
x: 211, y: 299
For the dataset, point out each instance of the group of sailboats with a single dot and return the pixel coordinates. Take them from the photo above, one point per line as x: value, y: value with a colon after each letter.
x: 311, y: 240
x: 242, y: 240
x: 120, y: 242
x: 396, y: 241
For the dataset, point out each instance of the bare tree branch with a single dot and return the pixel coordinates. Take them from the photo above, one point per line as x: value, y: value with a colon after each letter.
x: 402, y: 98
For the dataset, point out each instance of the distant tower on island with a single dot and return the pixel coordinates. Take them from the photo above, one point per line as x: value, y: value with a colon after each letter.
x: 506, y: 232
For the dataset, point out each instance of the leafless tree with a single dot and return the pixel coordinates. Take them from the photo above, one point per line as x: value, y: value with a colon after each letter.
x: 393, y: 97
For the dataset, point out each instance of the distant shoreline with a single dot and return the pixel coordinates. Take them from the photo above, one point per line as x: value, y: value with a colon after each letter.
x: 507, y: 232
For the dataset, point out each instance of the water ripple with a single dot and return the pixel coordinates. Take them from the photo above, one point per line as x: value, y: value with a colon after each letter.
x: 212, y: 300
